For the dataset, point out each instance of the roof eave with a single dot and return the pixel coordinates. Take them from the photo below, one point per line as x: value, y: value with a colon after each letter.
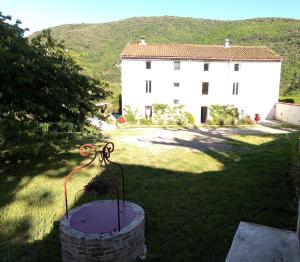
x: 201, y: 58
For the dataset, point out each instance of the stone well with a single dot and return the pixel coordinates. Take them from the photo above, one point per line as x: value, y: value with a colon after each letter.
x: 90, y: 233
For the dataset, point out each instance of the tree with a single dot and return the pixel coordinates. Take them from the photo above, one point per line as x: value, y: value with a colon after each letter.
x: 40, y: 81
x: 294, y: 86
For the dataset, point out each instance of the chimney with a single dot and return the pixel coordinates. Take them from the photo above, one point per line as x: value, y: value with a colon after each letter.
x: 142, y: 41
x: 227, y: 43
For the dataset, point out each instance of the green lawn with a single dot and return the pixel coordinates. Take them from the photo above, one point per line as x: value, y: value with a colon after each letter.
x: 193, y: 200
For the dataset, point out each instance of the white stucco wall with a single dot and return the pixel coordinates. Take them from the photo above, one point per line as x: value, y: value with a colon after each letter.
x: 258, y: 85
x: 289, y: 113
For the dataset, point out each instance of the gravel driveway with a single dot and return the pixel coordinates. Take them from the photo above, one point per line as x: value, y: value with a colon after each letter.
x: 194, y: 138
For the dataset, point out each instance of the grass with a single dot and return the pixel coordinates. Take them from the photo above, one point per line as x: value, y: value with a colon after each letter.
x: 193, y: 200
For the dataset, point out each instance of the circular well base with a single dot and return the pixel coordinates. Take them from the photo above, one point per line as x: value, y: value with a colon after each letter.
x: 105, y: 242
x: 102, y: 217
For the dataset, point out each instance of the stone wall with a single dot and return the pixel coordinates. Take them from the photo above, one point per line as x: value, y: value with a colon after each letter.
x: 289, y: 113
x: 126, y: 246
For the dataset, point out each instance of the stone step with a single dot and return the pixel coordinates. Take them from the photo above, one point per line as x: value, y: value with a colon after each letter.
x: 259, y: 243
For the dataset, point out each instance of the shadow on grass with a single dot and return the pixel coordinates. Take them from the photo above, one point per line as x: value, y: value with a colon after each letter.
x: 51, y: 160
x: 189, y: 217
x: 202, y: 139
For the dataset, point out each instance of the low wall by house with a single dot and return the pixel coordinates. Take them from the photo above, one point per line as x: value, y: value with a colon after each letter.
x: 287, y: 112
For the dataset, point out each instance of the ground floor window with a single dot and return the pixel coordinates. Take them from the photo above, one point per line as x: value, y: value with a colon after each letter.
x: 176, y: 101
x: 148, y: 111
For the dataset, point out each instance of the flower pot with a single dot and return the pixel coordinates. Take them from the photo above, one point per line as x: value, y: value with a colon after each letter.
x: 257, y: 118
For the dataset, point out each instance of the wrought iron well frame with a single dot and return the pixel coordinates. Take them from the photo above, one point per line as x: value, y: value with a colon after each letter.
x: 104, y: 155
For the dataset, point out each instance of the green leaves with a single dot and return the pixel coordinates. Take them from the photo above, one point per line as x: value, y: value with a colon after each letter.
x: 224, y: 115
x: 294, y: 86
x: 41, y: 82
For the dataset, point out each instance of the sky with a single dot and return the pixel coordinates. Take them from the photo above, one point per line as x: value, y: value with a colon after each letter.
x: 41, y: 14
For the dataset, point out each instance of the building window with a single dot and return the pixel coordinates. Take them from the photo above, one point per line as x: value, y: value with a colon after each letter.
x: 148, y: 86
x: 176, y: 101
x: 148, y: 65
x: 148, y: 111
x: 176, y: 84
x: 176, y: 65
x: 235, y: 88
x: 206, y: 66
x: 205, y: 88
x: 236, y: 67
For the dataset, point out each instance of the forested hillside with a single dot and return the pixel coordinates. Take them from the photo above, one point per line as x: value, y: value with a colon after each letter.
x: 98, y: 46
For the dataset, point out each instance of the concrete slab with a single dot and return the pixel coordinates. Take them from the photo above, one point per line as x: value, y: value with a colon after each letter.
x: 259, y: 243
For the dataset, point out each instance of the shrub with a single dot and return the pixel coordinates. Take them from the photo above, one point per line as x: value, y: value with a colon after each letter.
x: 224, y: 115
x: 287, y: 100
x: 290, y: 99
x: 190, y: 118
x: 130, y: 115
x: 162, y: 114
x: 159, y: 108
x: 230, y: 121
x: 159, y: 113
x: 176, y: 115
x: 145, y: 121
x: 171, y: 115
x: 246, y: 120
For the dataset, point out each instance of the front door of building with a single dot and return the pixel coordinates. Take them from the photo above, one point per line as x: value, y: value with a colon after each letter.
x: 203, y: 114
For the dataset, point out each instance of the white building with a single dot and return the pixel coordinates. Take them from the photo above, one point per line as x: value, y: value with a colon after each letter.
x: 198, y: 76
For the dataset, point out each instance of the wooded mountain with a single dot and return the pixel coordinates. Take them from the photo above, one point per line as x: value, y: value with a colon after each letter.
x: 98, y: 46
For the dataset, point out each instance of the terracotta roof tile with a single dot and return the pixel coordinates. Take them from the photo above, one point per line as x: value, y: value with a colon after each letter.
x: 199, y: 52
